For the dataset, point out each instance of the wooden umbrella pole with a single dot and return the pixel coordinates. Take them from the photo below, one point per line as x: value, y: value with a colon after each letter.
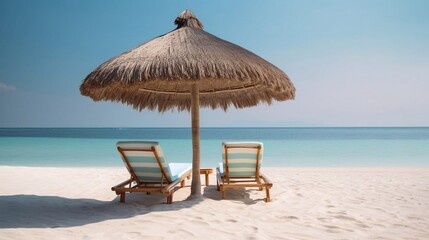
x: 195, y: 115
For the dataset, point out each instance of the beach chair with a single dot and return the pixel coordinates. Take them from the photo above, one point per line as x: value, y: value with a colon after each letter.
x: 240, y: 167
x: 149, y: 171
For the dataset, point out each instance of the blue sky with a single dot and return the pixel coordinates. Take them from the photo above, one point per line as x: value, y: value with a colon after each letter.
x: 354, y: 63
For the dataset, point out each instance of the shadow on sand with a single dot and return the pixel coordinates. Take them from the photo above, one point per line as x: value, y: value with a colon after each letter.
x: 33, y: 211
x: 242, y: 195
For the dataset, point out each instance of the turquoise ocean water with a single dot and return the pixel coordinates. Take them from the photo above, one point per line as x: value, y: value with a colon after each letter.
x: 294, y: 147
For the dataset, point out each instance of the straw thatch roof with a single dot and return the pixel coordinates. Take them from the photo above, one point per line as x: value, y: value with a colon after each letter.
x: 159, y: 73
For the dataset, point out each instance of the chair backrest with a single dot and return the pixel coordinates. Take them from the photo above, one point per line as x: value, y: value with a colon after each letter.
x: 242, y: 159
x: 145, y: 161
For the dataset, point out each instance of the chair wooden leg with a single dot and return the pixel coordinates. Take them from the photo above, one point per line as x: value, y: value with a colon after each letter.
x: 207, y: 179
x: 222, y: 193
x: 268, y: 199
x: 182, y: 183
x: 260, y: 187
x: 170, y: 199
x: 122, y: 198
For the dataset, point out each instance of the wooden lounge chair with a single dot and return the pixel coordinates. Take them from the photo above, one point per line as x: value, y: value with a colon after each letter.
x: 149, y: 171
x: 240, y: 167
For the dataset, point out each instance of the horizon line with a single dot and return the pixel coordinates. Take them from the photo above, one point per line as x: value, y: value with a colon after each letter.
x: 214, y: 127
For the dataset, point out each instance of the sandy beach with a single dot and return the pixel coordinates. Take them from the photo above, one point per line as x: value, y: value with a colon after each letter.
x: 307, y: 203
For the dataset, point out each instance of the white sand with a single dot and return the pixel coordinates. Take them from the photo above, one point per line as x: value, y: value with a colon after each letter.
x: 76, y: 203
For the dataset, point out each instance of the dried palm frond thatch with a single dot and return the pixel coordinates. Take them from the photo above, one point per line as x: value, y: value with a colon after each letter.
x: 159, y: 73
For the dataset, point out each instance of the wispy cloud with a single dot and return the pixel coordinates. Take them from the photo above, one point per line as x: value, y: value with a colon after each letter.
x: 6, y: 87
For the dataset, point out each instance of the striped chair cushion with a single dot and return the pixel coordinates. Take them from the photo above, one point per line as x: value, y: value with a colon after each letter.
x: 144, y: 163
x: 241, y: 158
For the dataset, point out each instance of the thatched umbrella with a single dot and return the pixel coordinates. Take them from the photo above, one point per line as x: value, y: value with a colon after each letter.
x: 185, y: 69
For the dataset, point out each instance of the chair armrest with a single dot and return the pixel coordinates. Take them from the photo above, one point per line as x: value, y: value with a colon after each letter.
x: 171, y: 185
x: 122, y: 184
x: 266, y: 180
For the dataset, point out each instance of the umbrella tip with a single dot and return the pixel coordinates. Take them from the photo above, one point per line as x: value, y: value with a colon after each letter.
x: 188, y: 19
